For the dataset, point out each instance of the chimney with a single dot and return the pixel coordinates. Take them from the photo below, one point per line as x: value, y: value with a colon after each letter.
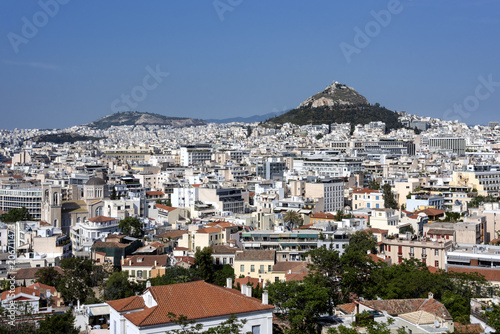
x: 148, y: 284
x: 265, y: 297
x: 249, y: 291
x: 431, y: 295
x: 260, y: 279
x: 243, y: 289
x: 229, y: 283
x: 129, y: 262
x: 156, y: 263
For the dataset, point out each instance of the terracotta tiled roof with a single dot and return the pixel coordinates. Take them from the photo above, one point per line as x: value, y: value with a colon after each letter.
x: 209, y: 230
x: 29, y: 273
x: 430, y: 212
x: 347, y: 308
x: 173, y: 234
x: 157, y: 244
x: 165, y: 207
x: 323, y: 215
x: 195, y: 300
x: 400, y: 306
x: 468, y: 329
x: 492, y: 275
x: 255, y: 255
x: 376, y: 230
x: 145, y: 260
x: 154, y: 193
x: 221, y: 224
x: 223, y: 249
x: 127, y: 304
x: 101, y: 219
x: 247, y: 280
x: 364, y: 191
x: 21, y: 289
x: 186, y: 259
x: 108, y: 244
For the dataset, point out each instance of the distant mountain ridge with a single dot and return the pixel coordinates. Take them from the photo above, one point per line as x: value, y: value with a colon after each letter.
x: 143, y: 118
x: 249, y: 119
x: 338, y: 103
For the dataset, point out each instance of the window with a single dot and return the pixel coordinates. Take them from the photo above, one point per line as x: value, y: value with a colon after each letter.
x: 436, y: 264
x: 269, y: 268
x: 242, y: 268
x: 276, y: 279
x: 256, y: 329
x: 377, y: 205
x: 261, y: 270
x: 139, y: 273
x: 252, y: 268
x: 436, y: 252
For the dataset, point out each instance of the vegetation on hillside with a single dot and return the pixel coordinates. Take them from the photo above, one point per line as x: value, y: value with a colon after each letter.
x: 354, y: 114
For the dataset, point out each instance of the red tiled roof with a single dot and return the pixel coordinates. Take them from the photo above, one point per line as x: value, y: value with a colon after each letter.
x: 165, y: 207
x: 222, y: 224
x: 21, y: 289
x: 246, y: 280
x: 400, y: 306
x: 347, y: 308
x: 209, y: 230
x: 376, y: 230
x: 101, y: 219
x: 173, y: 234
x: 154, y: 193
x: 145, y: 260
x: 467, y: 329
x: 127, y: 304
x: 430, y: 212
x: 323, y: 215
x: 492, y: 275
x: 364, y: 191
x: 186, y: 259
x: 194, y: 300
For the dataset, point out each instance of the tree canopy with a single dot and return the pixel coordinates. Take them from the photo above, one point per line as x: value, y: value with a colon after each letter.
x: 131, y: 226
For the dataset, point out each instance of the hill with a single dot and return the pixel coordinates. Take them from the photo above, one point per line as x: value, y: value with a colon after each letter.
x: 338, y: 103
x: 249, y: 119
x: 143, y: 118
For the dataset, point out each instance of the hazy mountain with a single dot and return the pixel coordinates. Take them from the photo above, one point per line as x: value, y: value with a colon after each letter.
x: 143, y: 118
x: 249, y: 119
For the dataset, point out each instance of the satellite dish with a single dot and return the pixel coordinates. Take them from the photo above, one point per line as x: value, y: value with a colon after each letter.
x: 436, y: 323
x: 472, y: 303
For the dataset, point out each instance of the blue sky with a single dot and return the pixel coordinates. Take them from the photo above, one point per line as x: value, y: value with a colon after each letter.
x: 229, y: 58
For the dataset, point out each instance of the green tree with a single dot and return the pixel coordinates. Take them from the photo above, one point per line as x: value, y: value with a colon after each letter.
x: 58, y: 323
x: 293, y: 218
x: 131, y: 226
x: 493, y: 317
x: 176, y: 274
x: 324, y: 272
x: 230, y: 326
x: 118, y: 286
x: 389, y: 201
x: 299, y: 303
x: 340, y: 215
x: 114, y: 195
x: 222, y: 273
x: 204, y: 264
x: 48, y: 275
x: 79, y: 276
x: 15, y: 215
x: 374, y: 185
x: 319, y: 136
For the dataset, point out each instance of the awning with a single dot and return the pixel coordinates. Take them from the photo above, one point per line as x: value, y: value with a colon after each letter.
x: 99, y: 310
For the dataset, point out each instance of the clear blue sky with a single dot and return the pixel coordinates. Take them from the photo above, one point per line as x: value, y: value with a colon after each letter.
x: 244, y: 58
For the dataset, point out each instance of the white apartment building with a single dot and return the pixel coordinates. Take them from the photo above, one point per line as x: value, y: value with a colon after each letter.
x: 84, y: 234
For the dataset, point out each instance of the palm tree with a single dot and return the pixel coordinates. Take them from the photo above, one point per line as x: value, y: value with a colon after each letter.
x: 293, y: 218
